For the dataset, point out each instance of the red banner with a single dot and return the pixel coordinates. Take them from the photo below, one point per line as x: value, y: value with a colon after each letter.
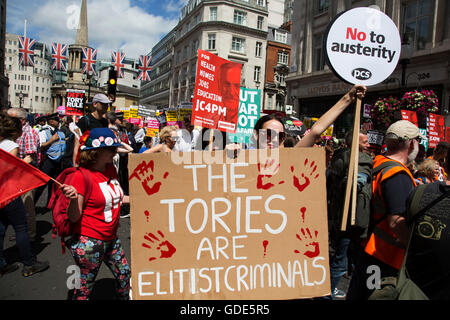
x: 216, y: 96
x: 436, y: 129
x: 411, y: 116
x: 17, y: 177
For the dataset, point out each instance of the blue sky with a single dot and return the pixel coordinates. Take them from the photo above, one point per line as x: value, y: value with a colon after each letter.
x: 133, y: 26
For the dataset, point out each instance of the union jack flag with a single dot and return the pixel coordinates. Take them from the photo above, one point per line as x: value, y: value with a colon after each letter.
x: 89, y: 60
x: 144, y: 68
x: 118, y: 59
x: 26, y: 51
x: 59, y: 57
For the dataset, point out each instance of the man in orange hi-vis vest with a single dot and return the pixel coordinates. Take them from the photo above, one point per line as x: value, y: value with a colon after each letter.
x: 381, y: 254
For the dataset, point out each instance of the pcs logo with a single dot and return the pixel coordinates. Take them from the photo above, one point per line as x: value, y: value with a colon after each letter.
x: 362, y: 74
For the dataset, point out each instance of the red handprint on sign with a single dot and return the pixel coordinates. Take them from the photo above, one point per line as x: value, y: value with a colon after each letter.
x: 166, y: 249
x: 266, y: 172
x: 144, y: 173
x: 307, y: 179
x: 314, y: 244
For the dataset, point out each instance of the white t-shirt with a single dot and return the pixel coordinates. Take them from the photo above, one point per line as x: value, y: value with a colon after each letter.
x: 8, y: 145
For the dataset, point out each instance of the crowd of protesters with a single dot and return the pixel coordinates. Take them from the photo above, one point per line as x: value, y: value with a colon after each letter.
x: 101, y: 142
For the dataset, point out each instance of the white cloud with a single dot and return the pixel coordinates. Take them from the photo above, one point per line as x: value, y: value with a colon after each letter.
x: 112, y: 25
x: 175, y: 5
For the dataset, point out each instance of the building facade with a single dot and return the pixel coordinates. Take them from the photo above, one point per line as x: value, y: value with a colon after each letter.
x: 312, y: 86
x: 233, y: 30
x: 277, y: 69
x: 29, y: 87
x: 4, y: 81
x: 156, y: 92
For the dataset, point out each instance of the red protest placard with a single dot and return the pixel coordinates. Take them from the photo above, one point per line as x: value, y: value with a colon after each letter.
x: 411, y: 116
x: 436, y: 129
x: 216, y: 96
x: 75, y: 102
x: 447, y: 134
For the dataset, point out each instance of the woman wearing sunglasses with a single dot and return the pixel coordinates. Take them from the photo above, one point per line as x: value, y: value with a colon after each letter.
x: 168, y: 137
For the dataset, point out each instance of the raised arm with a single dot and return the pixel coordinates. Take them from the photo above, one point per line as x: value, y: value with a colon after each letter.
x: 331, y: 115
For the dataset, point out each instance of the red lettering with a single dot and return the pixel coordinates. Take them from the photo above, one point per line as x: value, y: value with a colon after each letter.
x: 354, y: 34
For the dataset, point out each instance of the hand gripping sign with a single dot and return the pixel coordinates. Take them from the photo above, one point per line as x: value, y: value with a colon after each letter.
x: 254, y: 228
x: 363, y: 46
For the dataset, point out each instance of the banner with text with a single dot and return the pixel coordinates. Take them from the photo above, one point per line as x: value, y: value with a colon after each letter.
x: 75, y: 102
x: 216, y: 96
x: 436, y: 129
x: 411, y: 116
x: 252, y: 229
x: 249, y: 113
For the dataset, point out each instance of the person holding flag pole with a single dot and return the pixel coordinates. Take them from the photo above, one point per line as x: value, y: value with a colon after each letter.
x: 16, y: 178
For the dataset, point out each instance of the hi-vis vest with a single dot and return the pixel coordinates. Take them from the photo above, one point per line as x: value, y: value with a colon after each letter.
x: 383, y: 244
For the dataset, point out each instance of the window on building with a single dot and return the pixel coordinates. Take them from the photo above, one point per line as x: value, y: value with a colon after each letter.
x: 417, y: 24
x: 238, y: 44
x: 213, y: 13
x: 260, y: 22
x: 240, y: 17
x: 257, y: 74
x: 318, y: 53
x: 261, y: 3
x: 258, y: 52
x: 283, y: 57
x: 212, y: 41
x: 322, y: 5
x: 280, y: 36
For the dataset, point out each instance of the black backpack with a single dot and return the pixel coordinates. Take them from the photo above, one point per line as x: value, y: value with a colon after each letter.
x: 336, y: 187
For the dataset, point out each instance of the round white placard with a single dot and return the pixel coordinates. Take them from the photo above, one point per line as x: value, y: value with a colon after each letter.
x: 363, y: 46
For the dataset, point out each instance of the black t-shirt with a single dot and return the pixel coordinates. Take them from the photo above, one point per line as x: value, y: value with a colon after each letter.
x: 89, y: 122
x: 428, y: 261
x: 395, y: 193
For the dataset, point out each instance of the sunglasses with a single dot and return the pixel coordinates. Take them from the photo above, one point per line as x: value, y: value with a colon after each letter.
x: 272, y: 135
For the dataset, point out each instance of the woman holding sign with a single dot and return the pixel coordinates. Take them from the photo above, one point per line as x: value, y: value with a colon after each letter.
x: 268, y: 125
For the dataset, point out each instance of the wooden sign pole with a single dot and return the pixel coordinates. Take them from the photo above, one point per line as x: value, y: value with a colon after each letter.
x: 352, y: 174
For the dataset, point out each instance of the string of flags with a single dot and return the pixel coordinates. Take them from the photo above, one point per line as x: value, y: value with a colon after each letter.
x: 89, y: 59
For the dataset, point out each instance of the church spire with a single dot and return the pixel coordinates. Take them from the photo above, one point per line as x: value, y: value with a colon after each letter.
x: 82, y: 33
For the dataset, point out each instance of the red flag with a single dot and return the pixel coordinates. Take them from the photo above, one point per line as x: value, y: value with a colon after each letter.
x: 17, y: 177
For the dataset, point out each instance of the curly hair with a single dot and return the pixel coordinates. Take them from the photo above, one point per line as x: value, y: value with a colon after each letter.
x: 427, y: 168
x: 166, y: 133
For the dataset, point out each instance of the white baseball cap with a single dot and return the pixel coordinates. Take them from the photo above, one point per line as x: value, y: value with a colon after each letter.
x: 405, y: 130
x: 101, y: 98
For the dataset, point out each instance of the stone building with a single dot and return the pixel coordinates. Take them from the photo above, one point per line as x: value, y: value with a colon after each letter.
x: 313, y: 88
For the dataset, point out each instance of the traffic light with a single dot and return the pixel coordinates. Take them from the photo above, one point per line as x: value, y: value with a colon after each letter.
x: 112, y: 82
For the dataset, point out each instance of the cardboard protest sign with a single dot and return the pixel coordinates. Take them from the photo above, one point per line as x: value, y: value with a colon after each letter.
x: 75, y: 102
x: 435, y: 129
x: 410, y: 116
x: 134, y: 110
x: 250, y: 228
x: 249, y: 113
x: 363, y: 46
x: 216, y: 96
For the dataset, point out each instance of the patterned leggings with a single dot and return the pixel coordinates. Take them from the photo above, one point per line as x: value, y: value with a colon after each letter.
x: 89, y: 254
